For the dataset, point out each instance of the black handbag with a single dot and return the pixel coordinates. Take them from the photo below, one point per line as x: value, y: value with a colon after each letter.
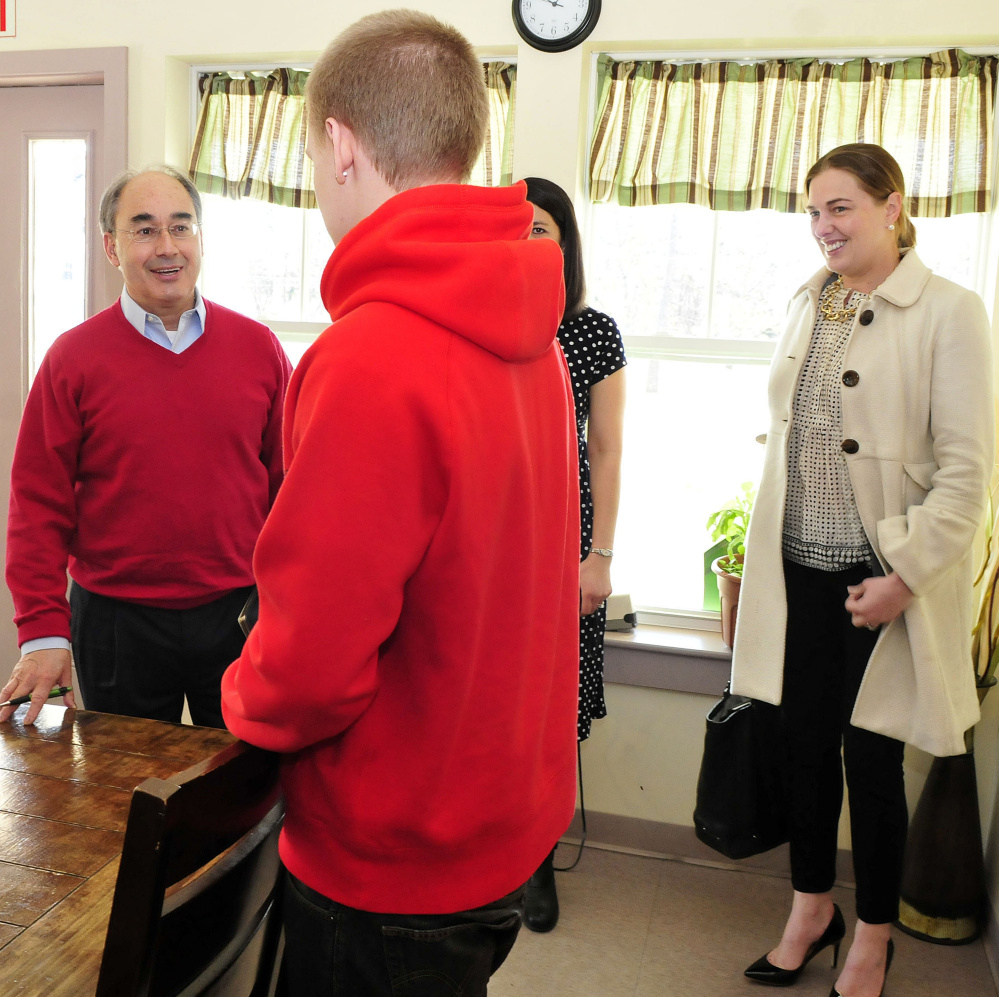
x: 740, y: 807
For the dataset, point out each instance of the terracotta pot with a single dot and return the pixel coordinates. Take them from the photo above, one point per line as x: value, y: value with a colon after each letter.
x: 728, y: 593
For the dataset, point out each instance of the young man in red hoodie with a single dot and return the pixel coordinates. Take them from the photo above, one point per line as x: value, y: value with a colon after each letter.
x: 415, y: 656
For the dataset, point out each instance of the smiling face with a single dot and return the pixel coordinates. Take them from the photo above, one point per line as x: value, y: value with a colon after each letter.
x: 851, y: 228
x: 544, y: 227
x: 159, y: 275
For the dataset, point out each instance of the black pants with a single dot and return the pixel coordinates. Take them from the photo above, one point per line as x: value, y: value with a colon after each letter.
x: 332, y: 949
x: 140, y: 661
x: 825, y: 659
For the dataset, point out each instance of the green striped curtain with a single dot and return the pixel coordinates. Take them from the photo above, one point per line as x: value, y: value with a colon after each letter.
x: 250, y: 139
x: 494, y: 166
x: 739, y: 136
x: 251, y: 133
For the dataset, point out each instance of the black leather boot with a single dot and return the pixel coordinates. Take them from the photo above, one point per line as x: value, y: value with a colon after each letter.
x: 540, y: 899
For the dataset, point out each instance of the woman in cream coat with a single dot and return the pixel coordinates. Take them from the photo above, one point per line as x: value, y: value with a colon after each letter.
x: 855, y: 613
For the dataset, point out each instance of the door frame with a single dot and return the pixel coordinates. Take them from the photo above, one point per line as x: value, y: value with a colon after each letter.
x: 107, y: 67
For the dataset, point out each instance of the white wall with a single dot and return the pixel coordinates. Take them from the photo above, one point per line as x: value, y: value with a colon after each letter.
x: 643, y: 759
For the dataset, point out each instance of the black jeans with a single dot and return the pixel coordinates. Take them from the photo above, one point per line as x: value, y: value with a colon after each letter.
x: 824, y: 663
x: 140, y: 661
x: 331, y: 949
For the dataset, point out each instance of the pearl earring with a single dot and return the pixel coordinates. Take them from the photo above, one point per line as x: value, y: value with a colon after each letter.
x: 891, y: 228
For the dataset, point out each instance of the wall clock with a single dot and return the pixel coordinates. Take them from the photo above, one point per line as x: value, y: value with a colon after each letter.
x: 555, y: 25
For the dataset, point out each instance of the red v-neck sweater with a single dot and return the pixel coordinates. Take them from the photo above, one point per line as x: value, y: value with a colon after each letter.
x: 150, y: 471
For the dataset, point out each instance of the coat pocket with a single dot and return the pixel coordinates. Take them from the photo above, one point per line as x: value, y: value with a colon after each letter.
x: 918, y: 480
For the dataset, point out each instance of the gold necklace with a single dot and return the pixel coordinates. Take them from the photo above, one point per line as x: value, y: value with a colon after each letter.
x: 828, y: 296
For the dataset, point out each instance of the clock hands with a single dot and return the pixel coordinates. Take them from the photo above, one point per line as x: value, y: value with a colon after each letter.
x: 563, y: 28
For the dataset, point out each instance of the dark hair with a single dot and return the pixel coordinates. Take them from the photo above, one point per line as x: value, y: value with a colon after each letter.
x: 112, y: 196
x: 551, y: 198
x: 877, y: 172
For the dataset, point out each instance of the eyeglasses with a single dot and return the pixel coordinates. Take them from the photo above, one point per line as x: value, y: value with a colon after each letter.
x: 150, y: 233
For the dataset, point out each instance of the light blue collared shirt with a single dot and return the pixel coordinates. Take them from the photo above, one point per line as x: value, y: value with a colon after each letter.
x: 189, y: 328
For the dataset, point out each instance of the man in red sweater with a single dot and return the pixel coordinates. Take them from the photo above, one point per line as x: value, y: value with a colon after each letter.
x: 415, y: 656
x: 148, y: 457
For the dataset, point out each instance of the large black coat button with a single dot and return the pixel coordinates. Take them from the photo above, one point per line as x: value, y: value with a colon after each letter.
x: 851, y: 378
x: 849, y: 446
x: 866, y: 317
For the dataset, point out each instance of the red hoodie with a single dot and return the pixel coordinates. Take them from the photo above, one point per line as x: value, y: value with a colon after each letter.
x: 416, y: 655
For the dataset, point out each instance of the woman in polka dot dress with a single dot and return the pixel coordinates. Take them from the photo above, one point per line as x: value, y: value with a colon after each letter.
x: 595, y: 354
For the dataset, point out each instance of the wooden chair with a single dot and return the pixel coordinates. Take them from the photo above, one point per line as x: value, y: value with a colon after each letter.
x: 195, y: 908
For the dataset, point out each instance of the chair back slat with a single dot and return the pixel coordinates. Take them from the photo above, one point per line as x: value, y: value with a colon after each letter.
x: 195, y: 904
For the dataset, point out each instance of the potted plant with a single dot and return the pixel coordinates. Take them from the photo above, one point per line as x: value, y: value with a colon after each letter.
x: 730, y: 523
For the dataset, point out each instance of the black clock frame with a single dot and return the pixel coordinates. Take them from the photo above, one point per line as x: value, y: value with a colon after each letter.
x: 561, y: 44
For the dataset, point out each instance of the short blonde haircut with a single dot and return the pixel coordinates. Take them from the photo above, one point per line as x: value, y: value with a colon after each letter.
x: 412, y: 91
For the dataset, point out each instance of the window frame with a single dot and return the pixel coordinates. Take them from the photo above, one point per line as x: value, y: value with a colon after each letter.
x: 740, y: 351
x: 290, y: 331
x: 293, y: 331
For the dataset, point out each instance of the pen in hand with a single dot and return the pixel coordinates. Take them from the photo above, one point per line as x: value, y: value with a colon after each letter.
x: 18, y: 700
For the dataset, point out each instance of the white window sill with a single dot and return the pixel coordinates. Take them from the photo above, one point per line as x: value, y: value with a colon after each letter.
x: 672, y: 658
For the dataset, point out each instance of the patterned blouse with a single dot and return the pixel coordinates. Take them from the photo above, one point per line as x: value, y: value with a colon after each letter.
x: 822, y: 527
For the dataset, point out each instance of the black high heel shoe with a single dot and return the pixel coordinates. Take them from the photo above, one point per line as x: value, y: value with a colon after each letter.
x: 891, y: 952
x: 764, y: 971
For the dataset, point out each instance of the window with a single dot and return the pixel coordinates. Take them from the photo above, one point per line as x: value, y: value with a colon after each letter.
x: 57, y: 238
x: 700, y: 294
x: 265, y: 241
x: 700, y: 297
x: 265, y: 260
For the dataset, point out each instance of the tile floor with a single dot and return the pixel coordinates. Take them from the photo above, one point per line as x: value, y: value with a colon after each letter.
x: 649, y: 927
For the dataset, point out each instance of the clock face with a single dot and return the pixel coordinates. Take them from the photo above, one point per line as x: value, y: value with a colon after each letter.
x: 555, y: 25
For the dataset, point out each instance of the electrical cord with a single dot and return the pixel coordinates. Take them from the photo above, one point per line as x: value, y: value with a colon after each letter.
x: 582, y: 812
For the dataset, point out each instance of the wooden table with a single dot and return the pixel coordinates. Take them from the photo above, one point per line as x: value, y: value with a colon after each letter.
x: 65, y: 787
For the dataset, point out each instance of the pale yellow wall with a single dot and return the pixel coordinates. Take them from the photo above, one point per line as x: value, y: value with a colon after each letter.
x: 549, y: 132
x: 642, y: 760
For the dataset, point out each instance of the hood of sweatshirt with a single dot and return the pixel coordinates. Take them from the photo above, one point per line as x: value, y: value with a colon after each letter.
x: 459, y: 256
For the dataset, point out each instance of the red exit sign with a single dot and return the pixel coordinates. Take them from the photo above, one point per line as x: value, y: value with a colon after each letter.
x: 6, y: 17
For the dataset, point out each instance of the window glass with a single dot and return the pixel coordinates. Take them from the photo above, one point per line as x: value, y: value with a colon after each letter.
x: 700, y: 297
x: 953, y: 247
x: 689, y: 440
x: 264, y: 259
x: 318, y: 246
x: 57, y: 216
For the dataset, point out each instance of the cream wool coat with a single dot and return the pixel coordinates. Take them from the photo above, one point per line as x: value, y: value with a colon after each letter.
x: 922, y: 416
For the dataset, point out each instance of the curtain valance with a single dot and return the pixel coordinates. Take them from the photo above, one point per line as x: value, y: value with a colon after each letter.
x: 737, y: 136
x: 251, y: 134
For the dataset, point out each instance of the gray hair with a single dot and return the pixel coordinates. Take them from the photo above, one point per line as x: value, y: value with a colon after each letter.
x: 112, y: 196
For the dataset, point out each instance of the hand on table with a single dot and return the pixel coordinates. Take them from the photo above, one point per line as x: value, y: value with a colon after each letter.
x: 36, y: 674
